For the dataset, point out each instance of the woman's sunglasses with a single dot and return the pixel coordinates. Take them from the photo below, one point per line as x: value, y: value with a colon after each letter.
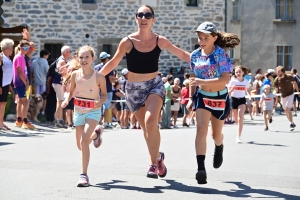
x: 26, y: 48
x: 148, y: 15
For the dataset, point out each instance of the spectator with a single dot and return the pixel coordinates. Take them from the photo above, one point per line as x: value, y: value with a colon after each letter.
x: 28, y: 61
x: 56, y: 79
x: 185, y: 93
x: 21, y: 84
x: 186, y: 76
x: 40, y: 68
x: 6, y: 75
x: 176, y: 93
x: 166, y: 117
x: 125, y: 113
x: 110, y: 78
x: 182, y: 70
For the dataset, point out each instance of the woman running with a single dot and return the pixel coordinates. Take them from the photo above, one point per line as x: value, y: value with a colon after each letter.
x: 211, y: 66
x: 145, y: 91
x: 238, y: 87
x: 87, y: 102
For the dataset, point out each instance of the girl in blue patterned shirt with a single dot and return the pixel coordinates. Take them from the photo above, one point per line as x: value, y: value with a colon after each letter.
x: 211, y: 67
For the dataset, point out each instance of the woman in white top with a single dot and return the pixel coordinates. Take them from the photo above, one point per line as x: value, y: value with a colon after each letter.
x: 238, y: 88
x: 6, y: 77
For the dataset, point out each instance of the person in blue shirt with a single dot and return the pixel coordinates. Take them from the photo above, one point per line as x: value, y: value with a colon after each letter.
x: 211, y: 68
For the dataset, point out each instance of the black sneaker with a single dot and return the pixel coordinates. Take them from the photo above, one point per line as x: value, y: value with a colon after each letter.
x: 218, y: 157
x: 201, y: 177
x: 292, y: 126
x: 271, y: 120
x: 185, y: 124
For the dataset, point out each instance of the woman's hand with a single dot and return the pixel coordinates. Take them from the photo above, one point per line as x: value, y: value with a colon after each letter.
x: 64, y: 104
x: 195, y: 81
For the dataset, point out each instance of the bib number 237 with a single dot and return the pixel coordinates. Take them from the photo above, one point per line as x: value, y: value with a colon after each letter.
x: 215, y: 104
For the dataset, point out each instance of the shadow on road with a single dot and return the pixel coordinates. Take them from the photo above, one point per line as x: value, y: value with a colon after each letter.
x: 275, y: 145
x: 5, y: 143
x: 243, y: 192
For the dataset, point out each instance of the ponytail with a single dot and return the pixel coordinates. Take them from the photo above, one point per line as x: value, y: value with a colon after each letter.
x: 226, y: 40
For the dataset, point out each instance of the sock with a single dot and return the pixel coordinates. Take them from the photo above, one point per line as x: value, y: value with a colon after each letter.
x: 25, y: 120
x: 200, y: 161
x: 19, y: 119
x: 219, y: 148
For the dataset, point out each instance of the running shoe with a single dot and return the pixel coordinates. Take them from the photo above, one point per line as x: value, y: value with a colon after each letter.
x: 162, y: 170
x: 201, y: 177
x: 18, y: 124
x: 295, y: 115
x: 267, y: 128
x: 83, y: 181
x: 218, y: 157
x: 185, y: 124
x: 270, y: 120
x: 292, y: 126
x: 107, y: 126
x: 28, y: 126
x: 98, y: 140
x: 238, y: 140
x: 59, y: 124
x: 175, y: 126
x: 152, y: 172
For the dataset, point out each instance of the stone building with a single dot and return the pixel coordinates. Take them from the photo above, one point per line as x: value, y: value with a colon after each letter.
x: 103, y: 23
x: 268, y: 30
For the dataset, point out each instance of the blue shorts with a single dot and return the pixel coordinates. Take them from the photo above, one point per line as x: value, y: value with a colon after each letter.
x: 80, y: 119
x: 217, y: 103
x: 296, y: 97
x: 107, y: 103
x: 21, y: 91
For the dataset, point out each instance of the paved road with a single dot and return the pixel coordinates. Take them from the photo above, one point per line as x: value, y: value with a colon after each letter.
x: 45, y: 164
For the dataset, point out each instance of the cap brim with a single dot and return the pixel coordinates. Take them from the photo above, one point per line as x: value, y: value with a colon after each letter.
x: 203, y: 31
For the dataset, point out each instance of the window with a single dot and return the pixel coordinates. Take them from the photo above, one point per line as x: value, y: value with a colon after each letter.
x: 231, y: 53
x: 89, y: 1
x: 284, y: 56
x: 284, y: 9
x: 54, y: 49
x: 107, y: 48
x: 192, y: 3
x: 236, y: 4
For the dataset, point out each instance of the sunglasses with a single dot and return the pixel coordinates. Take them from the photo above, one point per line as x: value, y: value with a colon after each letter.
x: 26, y: 48
x: 148, y: 15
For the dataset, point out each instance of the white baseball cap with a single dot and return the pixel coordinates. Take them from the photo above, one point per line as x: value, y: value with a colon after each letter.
x: 104, y: 55
x: 124, y: 71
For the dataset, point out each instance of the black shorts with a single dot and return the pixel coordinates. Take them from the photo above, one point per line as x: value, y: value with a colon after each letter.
x: 236, y: 102
x: 70, y: 106
x: 217, y: 103
x: 118, y: 106
x: 4, y: 95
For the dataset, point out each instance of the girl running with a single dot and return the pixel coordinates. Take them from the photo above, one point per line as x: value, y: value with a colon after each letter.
x: 211, y: 66
x: 87, y: 102
x: 145, y: 91
x: 238, y: 89
x: 267, y: 99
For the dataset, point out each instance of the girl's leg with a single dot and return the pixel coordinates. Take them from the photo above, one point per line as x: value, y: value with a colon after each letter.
x: 69, y: 117
x: 175, y: 114
x: 79, y: 130
x: 147, y: 117
x: 241, y: 113
x: 216, y: 133
x: 266, y: 119
x: 203, y: 117
x: 87, y: 137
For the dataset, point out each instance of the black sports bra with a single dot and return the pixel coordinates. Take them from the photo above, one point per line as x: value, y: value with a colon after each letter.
x: 143, y: 62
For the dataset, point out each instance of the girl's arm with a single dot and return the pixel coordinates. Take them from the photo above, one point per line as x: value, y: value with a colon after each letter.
x: 123, y: 48
x: 120, y: 94
x: 102, y: 85
x: 165, y: 43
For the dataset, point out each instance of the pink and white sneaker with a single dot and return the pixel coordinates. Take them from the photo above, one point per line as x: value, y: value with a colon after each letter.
x: 162, y: 169
x: 83, y: 181
x: 152, y: 172
x: 98, y: 140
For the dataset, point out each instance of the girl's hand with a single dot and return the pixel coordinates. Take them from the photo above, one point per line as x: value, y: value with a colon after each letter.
x: 189, y: 105
x: 195, y: 81
x: 230, y: 89
x: 97, y: 104
x: 64, y: 104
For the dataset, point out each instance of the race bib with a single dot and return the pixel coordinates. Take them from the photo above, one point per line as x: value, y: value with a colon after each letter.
x: 84, y: 103
x: 268, y: 99
x: 240, y: 88
x: 215, y: 104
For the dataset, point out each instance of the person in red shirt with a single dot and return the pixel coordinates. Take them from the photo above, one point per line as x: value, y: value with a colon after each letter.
x: 184, y: 101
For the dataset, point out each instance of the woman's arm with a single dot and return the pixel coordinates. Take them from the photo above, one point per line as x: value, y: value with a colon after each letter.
x: 123, y: 48
x: 165, y: 43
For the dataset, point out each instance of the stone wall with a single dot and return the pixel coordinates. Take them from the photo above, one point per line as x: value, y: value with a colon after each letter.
x: 107, y: 22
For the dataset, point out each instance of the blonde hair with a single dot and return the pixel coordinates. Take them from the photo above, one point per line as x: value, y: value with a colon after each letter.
x: 5, y: 43
x: 177, y: 80
x: 88, y: 48
x: 186, y: 82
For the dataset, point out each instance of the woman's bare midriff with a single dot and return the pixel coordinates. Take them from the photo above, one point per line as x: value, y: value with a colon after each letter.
x: 216, y: 88
x: 134, y: 77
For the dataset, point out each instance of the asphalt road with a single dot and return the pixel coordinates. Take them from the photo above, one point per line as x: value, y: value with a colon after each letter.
x: 45, y: 164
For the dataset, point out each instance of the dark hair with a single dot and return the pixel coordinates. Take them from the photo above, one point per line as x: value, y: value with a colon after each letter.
x: 281, y: 68
x: 226, y: 40
x: 23, y: 43
x: 116, y: 83
x: 152, y: 11
x: 170, y: 78
x: 294, y: 71
x: 244, y: 69
x: 187, y: 75
x: 44, y: 52
x: 257, y: 71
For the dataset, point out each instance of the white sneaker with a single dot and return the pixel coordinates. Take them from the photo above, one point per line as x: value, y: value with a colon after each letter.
x: 175, y: 126
x: 238, y: 140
